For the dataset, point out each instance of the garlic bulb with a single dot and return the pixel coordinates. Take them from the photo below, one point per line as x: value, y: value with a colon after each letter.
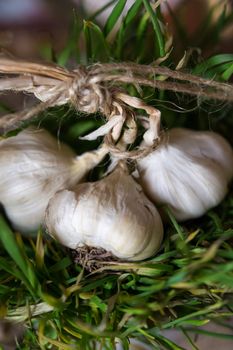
x: 189, y: 171
x: 113, y: 214
x: 33, y: 166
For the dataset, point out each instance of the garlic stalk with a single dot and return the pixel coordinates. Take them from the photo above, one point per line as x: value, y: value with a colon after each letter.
x: 189, y: 171
x: 112, y: 214
x: 33, y: 166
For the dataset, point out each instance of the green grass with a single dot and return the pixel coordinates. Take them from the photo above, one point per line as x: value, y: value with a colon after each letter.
x: 189, y: 283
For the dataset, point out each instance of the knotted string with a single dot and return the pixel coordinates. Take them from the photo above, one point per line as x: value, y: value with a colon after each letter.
x: 97, y: 88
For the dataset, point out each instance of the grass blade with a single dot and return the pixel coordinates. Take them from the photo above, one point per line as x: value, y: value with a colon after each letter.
x: 228, y: 73
x: 212, y: 62
x: 114, y: 16
x: 157, y: 29
x: 96, y: 45
x: 129, y: 18
x: 10, y: 244
x: 211, y: 334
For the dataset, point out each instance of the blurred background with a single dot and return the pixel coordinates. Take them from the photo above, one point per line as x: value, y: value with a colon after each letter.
x: 40, y: 28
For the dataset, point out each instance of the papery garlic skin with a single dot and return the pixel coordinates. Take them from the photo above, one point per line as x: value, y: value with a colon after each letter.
x: 113, y: 214
x: 33, y: 166
x: 189, y: 172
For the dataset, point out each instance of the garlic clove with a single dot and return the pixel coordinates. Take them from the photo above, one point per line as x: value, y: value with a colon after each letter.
x: 113, y: 214
x: 189, y: 172
x: 33, y: 166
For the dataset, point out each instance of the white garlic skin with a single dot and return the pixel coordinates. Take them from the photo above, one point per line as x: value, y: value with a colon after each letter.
x: 189, y: 172
x: 113, y: 214
x: 33, y: 166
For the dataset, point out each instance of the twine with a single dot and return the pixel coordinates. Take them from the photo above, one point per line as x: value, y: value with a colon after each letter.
x: 98, y: 88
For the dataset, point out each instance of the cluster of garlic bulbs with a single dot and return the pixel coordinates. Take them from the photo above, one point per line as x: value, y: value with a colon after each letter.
x: 42, y: 182
x: 112, y: 213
